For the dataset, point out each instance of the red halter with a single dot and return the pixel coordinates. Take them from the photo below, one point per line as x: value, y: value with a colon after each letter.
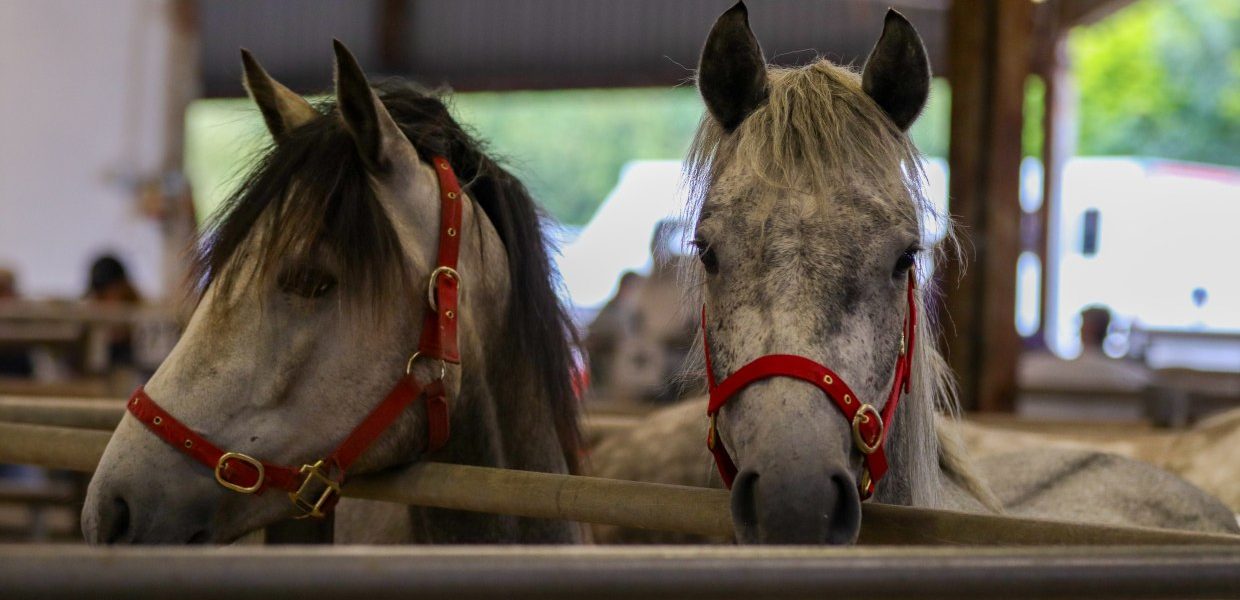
x: 315, y: 488
x: 869, y: 432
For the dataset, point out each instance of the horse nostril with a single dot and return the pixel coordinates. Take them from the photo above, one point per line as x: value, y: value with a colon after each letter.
x: 116, y: 523
x: 844, y: 521
x: 745, y: 507
x: 783, y: 507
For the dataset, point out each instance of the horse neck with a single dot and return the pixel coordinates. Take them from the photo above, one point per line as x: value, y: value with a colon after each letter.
x: 928, y: 464
x: 914, y: 451
x: 501, y: 419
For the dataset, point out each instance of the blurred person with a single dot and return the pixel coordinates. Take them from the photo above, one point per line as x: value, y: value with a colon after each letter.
x: 1095, y: 326
x: 14, y: 361
x: 109, y: 282
x: 109, y: 285
x: 8, y: 284
x: 1091, y: 372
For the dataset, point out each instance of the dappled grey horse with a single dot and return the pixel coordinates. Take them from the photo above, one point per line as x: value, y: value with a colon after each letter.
x: 807, y: 196
x: 314, y: 299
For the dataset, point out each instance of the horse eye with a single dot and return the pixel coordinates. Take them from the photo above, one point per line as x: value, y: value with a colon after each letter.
x: 307, y: 282
x: 707, y: 255
x: 906, y: 261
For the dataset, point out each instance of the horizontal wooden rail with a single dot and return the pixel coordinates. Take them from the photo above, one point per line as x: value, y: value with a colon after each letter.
x: 684, y: 509
x: 86, y: 413
x: 105, y: 413
x: 454, y: 572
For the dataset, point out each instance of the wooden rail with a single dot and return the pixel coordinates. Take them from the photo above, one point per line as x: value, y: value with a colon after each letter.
x: 104, y: 414
x: 87, y: 413
x: 599, y: 573
x: 684, y: 509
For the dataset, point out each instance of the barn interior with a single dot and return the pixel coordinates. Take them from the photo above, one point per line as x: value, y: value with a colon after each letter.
x: 1087, y: 151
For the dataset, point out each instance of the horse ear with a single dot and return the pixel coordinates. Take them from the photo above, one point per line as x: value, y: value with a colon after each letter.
x: 283, y: 109
x: 897, y: 73
x: 373, y: 129
x: 732, y: 72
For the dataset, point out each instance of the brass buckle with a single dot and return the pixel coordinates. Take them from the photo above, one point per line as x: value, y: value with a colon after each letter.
x: 712, y: 433
x: 430, y: 284
x: 864, y: 414
x: 253, y: 462
x: 314, y: 509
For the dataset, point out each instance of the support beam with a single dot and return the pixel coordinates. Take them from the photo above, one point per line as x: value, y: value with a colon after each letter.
x: 1059, y: 132
x: 989, y: 50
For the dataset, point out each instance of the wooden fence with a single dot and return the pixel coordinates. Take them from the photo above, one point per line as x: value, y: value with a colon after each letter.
x: 662, y: 507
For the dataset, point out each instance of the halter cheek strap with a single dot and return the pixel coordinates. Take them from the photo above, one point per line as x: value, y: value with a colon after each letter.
x: 869, y: 427
x: 315, y: 488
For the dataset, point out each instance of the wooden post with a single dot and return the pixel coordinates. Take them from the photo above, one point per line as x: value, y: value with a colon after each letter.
x: 989, y: 49
x: 1058, y: 145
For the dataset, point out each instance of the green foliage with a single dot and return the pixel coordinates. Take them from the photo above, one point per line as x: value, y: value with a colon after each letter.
x: 1161, y: 78
x: 568, y: 146
x: 1035, y: 108
x: 222, y: 138
x: 932, y: 129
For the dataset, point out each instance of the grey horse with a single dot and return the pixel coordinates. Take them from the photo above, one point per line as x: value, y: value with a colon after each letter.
x: 807, y: 197
x: 315, y: 284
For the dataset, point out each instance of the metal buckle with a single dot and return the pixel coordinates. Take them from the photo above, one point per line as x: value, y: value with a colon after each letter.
x: 712, y: 433
x: 314, y: 509
x: 253, y: 462
x: 430, y: 284
x: 863, y: 416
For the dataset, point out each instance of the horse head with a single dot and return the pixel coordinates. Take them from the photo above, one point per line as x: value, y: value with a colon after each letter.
x: 807, y: 197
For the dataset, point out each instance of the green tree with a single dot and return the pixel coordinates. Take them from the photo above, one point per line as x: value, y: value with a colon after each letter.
x: 1161, y: 78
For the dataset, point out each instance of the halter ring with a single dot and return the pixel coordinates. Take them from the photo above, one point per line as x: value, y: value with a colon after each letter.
x: 864, y: 414
x: 443, y: 365
x: 434, y: 279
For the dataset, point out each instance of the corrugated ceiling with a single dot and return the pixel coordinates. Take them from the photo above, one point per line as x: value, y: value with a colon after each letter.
x: 530, y: 44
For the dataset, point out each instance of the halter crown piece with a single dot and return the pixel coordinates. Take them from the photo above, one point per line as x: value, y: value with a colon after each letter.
x: 869, y: 427
x: 314, y: 488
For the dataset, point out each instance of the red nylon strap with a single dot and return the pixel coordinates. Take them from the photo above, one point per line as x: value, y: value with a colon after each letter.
x: 868, y: 430
x: 245, y: 474
x: 439, y: 339
x: 176, y: 434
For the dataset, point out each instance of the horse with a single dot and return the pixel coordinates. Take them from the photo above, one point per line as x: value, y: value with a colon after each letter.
x: 641, y: 339
x: 807, y: 195
x: 312, y: 298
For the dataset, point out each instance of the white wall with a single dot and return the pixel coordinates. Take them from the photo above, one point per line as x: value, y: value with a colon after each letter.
x: 82, y: 109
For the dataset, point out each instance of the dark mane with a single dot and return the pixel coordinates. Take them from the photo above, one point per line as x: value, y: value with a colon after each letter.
x: 314, y: 183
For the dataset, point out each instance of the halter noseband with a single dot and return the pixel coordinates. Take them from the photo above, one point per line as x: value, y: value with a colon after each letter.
x: 868, y: 429
x: 315, y: 488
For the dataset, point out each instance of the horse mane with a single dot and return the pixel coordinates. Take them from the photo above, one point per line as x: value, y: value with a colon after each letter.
x: 314, y: 185
x: 818, y: 131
